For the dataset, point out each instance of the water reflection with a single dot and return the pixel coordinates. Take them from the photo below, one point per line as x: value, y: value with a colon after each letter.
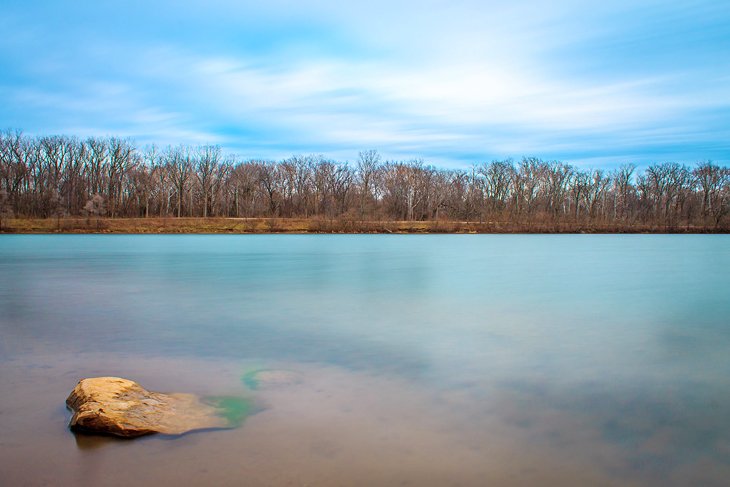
x: 94, y: 442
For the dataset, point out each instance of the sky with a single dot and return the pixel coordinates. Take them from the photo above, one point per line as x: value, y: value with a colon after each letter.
x: 596, y: 84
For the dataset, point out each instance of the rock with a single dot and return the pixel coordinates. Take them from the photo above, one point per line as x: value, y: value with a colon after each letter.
x: 121, y: 407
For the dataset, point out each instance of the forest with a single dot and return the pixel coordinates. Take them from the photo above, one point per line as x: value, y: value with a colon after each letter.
x: 62, y: 176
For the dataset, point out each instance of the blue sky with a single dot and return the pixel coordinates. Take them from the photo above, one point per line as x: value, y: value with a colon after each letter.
x: 453, y: 82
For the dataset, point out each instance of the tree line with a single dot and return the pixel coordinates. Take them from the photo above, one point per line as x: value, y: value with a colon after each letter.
x: 59, y: 176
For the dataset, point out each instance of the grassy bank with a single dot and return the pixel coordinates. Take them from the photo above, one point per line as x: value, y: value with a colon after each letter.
x: 302, y: 225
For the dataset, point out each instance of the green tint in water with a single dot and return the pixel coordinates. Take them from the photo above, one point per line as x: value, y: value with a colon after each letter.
x: 234, y: 409
x: 250, y: 379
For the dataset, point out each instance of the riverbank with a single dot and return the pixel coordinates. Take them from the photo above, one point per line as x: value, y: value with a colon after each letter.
x: 311, y: 225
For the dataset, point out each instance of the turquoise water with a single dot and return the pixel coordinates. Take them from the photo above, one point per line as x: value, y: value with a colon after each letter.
x: 600, y: 357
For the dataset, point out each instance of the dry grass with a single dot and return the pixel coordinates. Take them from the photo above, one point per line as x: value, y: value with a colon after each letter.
x: 312, y: 225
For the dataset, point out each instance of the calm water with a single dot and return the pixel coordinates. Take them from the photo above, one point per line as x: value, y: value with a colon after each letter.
x: 425, y: 360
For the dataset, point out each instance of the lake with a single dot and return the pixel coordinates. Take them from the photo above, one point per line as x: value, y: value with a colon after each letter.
x: 421, y: 360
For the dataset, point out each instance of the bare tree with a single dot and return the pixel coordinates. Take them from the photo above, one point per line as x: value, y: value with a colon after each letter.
x: 268, y: 178
x: 557, y: 183
x: 367, y: 165
x: 121, y: 161
x: 498, y: 176
x: 595, y: 191
x: 579, y: 188
x: 713, y: 182
x: 55, y: 176
x: 57, y: 208
x: 95, y: 207
x: 622, y: 189
x: 179, y: 167
x: 208, y: 160
x: 6, y: 210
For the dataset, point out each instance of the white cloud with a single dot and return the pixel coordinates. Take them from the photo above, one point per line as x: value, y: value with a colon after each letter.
x: 432, y: 78
x: 336, y: 102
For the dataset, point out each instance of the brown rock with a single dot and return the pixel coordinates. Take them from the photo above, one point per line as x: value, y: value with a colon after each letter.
x: 121, y: 407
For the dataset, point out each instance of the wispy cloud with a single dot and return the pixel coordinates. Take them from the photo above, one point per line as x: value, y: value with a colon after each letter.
x: 447, y: 82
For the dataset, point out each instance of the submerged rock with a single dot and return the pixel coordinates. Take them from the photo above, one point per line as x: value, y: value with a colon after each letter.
x: 121, y: 407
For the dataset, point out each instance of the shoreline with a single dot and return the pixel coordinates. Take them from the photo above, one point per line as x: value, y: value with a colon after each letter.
x: 221, y: 225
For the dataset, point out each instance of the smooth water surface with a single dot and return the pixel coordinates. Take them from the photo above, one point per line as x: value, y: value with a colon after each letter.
x: 425, y: 360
